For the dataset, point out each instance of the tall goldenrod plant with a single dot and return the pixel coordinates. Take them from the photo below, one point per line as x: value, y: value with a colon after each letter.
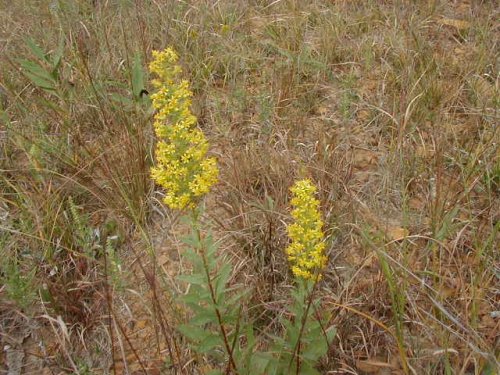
x: 187, y: 174
x: 182, y: 166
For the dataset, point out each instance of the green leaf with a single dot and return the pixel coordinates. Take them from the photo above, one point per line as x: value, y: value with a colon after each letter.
x: 194, y: 258
x: 57, y: 58
x: 238, y: 297
x: 54, y: 106
x: 210, y: 246
x: 209, y: 343
x: 270, y: 203
x: 191, y: 240
x: 245, y: 353
x: 204, y: 317
x: 121, y: 99
x: 260, y: 362
x: 40, y: 82
x: 221, y: 281
x: 196, y: 295
x: 137, y: 77
x: 195, y: 279
x: 193, y: 333
x: 489, y: 369
x: 202, y: 310
x: 308, y: 369
x: 38, y: 75
x: 37, y: 51
x: 330, y: 334
x: 315, y: 349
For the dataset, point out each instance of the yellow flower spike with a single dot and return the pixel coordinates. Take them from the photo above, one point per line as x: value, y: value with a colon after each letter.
x: 306, y: 253
x: 182, y: 167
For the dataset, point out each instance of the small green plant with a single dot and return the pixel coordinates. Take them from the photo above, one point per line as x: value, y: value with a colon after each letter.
x: 114, y: 265
x: 19, y: 284
x: 397, y: 294
x: 45, y: 71
x: 83, y: 234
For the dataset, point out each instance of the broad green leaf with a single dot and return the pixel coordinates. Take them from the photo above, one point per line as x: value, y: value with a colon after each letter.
x: 36, y: 69
x: 40, y: 82
x: 137, y: 76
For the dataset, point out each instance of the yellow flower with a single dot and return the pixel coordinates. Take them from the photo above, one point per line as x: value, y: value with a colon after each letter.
x: 182, y: 167
x: 306, y: 252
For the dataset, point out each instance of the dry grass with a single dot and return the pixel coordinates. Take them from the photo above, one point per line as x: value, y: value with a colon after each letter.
x: 391, y: 107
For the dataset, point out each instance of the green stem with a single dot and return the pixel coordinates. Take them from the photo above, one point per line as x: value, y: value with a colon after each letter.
x: 309, y: 299
x: 220, y: 322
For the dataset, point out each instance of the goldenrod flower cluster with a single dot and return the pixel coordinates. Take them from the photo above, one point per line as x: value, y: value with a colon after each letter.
x: 182, y: 169
x: 306, y: 253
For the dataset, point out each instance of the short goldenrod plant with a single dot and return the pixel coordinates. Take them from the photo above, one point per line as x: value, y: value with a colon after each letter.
x: 182, y: 169
x: 220, y: 327
x: 306, y: 338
